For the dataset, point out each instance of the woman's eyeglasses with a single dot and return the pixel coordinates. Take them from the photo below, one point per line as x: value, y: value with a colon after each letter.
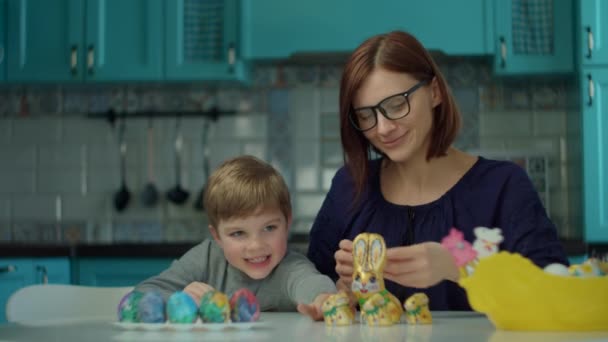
x: 393, y: 107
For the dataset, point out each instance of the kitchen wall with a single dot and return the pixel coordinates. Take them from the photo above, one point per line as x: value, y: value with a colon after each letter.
x: 60, y: 167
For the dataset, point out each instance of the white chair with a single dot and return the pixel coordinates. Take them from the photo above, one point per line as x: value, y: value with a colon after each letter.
x: 53, y: 304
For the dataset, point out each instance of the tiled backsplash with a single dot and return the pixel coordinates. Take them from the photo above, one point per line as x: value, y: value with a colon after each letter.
x: 60, y: 168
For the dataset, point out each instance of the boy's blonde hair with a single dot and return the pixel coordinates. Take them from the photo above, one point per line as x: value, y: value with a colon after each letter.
x: 242, y: 185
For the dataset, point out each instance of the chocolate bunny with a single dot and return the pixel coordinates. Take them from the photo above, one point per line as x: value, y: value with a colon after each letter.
x: 378, y: 306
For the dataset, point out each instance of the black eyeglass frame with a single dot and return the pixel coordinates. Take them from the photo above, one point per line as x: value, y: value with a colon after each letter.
x: 377, y: 108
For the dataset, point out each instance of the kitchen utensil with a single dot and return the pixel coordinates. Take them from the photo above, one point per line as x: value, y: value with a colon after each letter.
x: 177, y: 194
x: 199, y: 203
x: 149, y: 196
x: 123, y: 195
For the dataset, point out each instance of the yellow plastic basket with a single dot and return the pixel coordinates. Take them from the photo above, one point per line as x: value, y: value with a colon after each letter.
x: 515, y: 294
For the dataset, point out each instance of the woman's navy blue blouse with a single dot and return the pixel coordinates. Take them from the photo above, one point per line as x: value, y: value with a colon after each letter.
x: 491, y: 194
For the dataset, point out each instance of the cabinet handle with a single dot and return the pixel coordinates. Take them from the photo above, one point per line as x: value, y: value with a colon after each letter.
x: 503, y: 52
x: 91, y: 60
x: 231, y: 57
x: 45, y: 274
x: 74, y: 60
x: 589, y: 42
x: 8, y: 269
x: 591, y: 90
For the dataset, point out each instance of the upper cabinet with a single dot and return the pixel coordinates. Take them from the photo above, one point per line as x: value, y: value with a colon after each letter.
x: 278, y: 28
x: 75, y: 40
x: 533, y: 36
x: 202, y: 40
x: 593, y: 32
x: 594, y: 100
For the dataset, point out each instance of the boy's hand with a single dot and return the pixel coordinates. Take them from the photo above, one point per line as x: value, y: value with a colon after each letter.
x: 197, y: 290
x: 314, y: 310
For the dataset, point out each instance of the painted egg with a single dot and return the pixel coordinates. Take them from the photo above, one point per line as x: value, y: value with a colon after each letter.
x: 181, y: 308
x: 214, y: 308
x: 244, y: 306
x: 127, y: 308
x: 151, y: 308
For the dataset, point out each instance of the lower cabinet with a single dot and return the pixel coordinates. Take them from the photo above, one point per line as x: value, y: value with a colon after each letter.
x: 16, y: 273
x: 117, y: 271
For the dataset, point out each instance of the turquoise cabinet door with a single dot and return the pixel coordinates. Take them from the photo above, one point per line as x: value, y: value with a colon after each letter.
x: 44, y: 40
x: 593, y: 32
x: 51, y: 270
x: 124, y: 40
x: 202, y: 41
x: 119, y: 271
x: 531, y: 38
x: 595, y: 153
x: 277, y: 28
x: 2, y: 40
x: 14, y: 274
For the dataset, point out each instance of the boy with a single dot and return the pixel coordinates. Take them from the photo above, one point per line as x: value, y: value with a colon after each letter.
x: 249, y: 211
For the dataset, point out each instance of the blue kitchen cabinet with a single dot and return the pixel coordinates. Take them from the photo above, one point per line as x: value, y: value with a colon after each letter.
x: 76, y: 40
x: 594, y: 101
x: 118, y: 271
x: 16, y: 273
x: 277, y: 29
x: 44, y: 40
x: 534, y: 37
x: 202, y: 41
x: 593, y: 32
x: 2, y: 40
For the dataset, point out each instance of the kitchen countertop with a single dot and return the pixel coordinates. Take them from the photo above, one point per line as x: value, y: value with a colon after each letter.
x: 279, y: 326
x: 169, y: 250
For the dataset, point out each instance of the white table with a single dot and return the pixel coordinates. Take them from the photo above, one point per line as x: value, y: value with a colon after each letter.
x: 293, y: 327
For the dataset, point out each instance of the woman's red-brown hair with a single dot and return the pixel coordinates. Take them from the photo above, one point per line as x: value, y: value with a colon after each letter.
x: 399, y: 52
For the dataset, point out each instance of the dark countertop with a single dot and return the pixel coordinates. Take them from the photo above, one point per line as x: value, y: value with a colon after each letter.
x: 170, y: 250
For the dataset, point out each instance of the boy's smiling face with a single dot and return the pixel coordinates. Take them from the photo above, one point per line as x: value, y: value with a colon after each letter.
x: 255, y: 244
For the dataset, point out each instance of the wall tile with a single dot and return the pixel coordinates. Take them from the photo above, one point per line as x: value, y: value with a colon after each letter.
x: 304, y: 112
x: 17, y: 157
x: 60, y: 155
x: 327, y: 175
x: 34, y: 207
x: 17, y: 181
x: 5, y: 208
x: 507, y: 124
x: 256, y: 149
x: 31, y: 131
x: 55, y: 179
x: 307, y: 205
x: 549, y: 123
x: 5, y: 130
x: 307, y: 166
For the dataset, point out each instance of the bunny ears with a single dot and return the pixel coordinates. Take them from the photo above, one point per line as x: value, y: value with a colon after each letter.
x: 369, y: 252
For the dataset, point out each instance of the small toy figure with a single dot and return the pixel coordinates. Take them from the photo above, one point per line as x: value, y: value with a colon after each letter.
x: 417, y: 309
x: 487, y: 241
x: 337, y: 310
x: 378, y: 306
x: 462, y: 251
x: 590, y: 268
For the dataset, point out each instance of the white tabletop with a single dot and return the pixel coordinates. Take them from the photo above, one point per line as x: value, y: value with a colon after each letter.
x: 293, y: 327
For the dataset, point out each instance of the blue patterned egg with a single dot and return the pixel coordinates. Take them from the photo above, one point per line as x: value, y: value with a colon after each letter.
x: 151, y: 308
x: 215, y: 307
x: 128, y: 306
x: 181, y: 308
x: 244, y: 306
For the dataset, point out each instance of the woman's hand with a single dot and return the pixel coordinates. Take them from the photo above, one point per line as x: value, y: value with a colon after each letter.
x: 420, y: 266
x: 197, y: 290
x: 344, y: 264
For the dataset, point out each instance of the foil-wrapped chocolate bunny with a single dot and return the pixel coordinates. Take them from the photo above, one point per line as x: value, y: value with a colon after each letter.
x: 378, y: 306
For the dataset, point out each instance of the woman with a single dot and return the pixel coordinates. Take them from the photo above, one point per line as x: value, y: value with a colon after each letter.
x: 395, y: 103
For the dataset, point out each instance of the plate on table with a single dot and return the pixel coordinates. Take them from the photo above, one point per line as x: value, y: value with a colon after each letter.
x: 198, y: 325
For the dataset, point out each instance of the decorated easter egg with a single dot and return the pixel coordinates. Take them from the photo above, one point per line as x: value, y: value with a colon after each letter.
x: 214, y: 307
x: 181, y: 308
x: 127, y: 307
x: 151, y: 308
x: 244, y: 306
